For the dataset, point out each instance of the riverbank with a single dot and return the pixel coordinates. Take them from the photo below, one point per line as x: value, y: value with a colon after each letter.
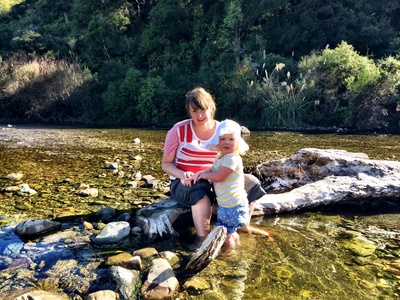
x: 168, y: 125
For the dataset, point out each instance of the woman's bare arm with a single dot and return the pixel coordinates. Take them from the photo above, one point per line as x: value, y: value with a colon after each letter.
x: 167, y: 164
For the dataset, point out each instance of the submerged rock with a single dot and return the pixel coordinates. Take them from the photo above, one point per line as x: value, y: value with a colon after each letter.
x: 31, y: 228
x: 14, y: 176
x: 103, y: 295
x: 42, y: 295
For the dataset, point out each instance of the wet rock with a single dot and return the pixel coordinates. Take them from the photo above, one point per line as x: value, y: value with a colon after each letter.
x: 31, y: 228
x: 132, y: 184
x: 113, y: 166
x: 87, y: 225
x: 14, y: 176
x: 384, y: 285
x: 149, y: 181
x: 359, y: 246
x: 128, y: 281
x: 13, y: 248
x: 393, y: 271
x: 361, y: 261
x: 23, y: 205
x: 136, y: 230
x: 113, y: 232
x: 124, y: 217
x: 244, y: 130
x: 85, y: 190
x: 395, y: 264
x: 106, y: 214
x: 42, y: 295
x: 137, y: 176
x: 125, y: 260
x: 161, y: 282
x: 367, y: 284
x: 16, y: 262
x: 146, y: 252
x: 13, y: 188
x: 283, y: 273
x: 26, y: 190
x: 91, y: 192
x: 171, y: 257
x: 196, y: 285
x: 103, y: 295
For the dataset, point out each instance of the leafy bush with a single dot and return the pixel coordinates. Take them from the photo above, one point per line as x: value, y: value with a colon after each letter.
x: 349, y: 89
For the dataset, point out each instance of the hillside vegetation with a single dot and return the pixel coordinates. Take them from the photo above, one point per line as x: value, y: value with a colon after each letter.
x: 285, y: 63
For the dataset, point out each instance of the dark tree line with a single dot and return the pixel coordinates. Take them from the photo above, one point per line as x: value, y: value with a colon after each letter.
x: 265, y: 61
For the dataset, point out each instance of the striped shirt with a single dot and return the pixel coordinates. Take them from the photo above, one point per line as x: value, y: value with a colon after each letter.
x: 191, y: 153
x: 230, y: 192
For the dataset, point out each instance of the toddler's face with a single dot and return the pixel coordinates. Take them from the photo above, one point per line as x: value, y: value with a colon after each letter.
x: 228, y: 143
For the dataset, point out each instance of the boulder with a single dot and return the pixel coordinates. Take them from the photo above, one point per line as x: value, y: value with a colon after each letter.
x: 161, y: 282
x: 32, y: 228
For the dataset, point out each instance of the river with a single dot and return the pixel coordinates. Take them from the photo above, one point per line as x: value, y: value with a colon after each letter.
x: 308, y: 258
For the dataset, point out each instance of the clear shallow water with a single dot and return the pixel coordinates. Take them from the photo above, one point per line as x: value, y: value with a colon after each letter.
x: 305, y: 260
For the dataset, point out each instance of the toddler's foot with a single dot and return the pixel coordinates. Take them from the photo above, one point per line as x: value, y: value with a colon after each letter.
x: 236, y: 238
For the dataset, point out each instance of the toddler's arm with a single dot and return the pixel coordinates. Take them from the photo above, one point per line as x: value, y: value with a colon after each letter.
x: 216, y: 176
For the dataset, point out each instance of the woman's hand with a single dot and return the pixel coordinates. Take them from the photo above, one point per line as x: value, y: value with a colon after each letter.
x: 186, y: 178
x: 200, y: 175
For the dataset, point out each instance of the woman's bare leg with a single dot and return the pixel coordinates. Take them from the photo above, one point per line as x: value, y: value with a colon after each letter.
x: 250, y: 229
x: 201, y: 214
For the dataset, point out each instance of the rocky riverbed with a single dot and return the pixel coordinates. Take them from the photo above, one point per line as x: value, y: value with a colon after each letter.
x: 85, y: 179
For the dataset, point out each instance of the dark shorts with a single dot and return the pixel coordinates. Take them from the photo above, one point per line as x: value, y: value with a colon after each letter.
x: 188, y: 196
x: 253, y: 188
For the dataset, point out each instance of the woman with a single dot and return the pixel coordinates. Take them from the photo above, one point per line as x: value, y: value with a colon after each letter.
x: 185, y: 153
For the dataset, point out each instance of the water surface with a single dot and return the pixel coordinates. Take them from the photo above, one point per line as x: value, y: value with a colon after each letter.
x: 307, y: 258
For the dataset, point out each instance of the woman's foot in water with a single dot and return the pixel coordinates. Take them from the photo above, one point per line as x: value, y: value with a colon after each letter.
x: 197, y: 242
x: 252, y: 230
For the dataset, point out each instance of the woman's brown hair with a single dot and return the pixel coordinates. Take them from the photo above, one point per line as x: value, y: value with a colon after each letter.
x: 200, y: 98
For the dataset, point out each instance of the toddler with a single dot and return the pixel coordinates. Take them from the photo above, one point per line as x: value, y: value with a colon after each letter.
x: 227, y: 176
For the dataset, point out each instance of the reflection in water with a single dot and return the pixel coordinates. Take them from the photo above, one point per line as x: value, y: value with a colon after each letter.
x: 305, y: 260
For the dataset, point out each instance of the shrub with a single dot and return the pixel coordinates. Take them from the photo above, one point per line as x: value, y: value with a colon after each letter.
x: 349, y: 89
x: 280, y: 102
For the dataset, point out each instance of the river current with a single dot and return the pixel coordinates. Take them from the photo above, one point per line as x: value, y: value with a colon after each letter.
x: 309, y: 256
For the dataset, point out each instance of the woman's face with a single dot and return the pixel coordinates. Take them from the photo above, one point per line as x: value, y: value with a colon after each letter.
x: 200, y: 116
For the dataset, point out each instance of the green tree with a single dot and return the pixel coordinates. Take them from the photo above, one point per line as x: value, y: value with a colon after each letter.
x: 120, y: 99
x: 152, y: 106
